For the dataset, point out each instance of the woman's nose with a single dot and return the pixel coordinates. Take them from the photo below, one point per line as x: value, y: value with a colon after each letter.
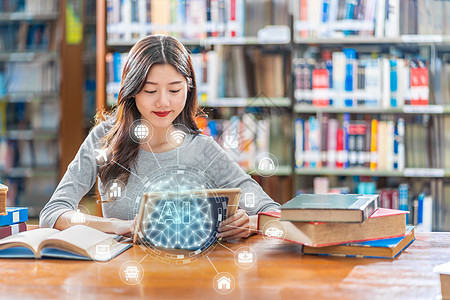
x: 163, y: 100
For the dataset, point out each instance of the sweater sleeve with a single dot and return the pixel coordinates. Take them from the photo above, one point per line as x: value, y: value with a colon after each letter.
x: 226, y: 173
x: 78, y: 179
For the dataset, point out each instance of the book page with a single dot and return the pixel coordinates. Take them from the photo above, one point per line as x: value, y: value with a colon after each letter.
x: 80, y: 239
x: 30, y: 239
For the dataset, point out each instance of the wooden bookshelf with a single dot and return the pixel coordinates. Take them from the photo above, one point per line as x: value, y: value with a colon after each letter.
x: 427, y: 109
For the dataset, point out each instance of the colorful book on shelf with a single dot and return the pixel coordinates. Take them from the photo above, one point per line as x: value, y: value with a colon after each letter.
x: 77, y: 242
x: 14, y: 215
x: 349, y: 208
x: 383, y: 223
x: 383, y: 248
x: 9, y: 230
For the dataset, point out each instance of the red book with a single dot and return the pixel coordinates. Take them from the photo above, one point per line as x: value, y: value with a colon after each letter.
x: 340, y: 148
x: 12, y: 229
x: 320, y: 86
x: 383, y: 223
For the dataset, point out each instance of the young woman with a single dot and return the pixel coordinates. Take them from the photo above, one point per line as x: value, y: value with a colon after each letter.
x: 158, y: 88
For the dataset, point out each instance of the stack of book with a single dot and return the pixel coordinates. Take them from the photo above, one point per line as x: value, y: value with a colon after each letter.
x: 13, y: 221
x: 343, y: 225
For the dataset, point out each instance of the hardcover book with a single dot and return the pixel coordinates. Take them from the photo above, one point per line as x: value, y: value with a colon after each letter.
x: 350, y: 208
x: 8, y: 230
x: 383, y: 248
x: 77, y: 242
x: 383, y: 223
x: 14, y: 215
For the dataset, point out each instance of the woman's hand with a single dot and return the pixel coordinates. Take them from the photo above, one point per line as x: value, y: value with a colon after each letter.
x: 240, y: 225
x: 124, y: 227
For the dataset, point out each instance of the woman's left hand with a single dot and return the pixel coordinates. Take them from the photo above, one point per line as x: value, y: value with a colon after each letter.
x: 239, y: 225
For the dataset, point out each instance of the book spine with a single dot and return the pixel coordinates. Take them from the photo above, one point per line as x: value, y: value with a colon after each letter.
x: 345, y: 127
x: 393, y: 82
x: 350, y: 55
x: 373, y: 144
x: 333, y: 126
x: 299, y: 143
x: 320, y: 87
x: 340, y: 148
x: 8, y: 230
x: 403, y: 198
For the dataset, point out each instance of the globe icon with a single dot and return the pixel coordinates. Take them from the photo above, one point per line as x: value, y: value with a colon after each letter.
x: 141, y: 131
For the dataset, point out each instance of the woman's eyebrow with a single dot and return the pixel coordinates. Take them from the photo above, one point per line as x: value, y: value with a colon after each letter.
x: 155, y: 83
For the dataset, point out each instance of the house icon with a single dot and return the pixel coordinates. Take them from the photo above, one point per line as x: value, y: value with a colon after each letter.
x: 224, y: 283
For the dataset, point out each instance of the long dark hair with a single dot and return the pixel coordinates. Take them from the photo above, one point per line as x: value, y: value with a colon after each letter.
x: 150, y: 50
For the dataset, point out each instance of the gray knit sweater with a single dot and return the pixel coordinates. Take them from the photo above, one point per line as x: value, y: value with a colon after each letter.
x: 198, y: 163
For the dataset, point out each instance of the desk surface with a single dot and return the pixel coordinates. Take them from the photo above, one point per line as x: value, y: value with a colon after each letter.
x: 280, y: 272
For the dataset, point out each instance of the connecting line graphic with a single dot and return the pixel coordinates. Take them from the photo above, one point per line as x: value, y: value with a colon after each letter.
x: 226, y: 247
x: 125, y: 169
x: 212, y: 264
x: 257, y: 230
x: 212, y: 161
x: 154, y: 155
x: 236, y: 179
x: 143, y: 258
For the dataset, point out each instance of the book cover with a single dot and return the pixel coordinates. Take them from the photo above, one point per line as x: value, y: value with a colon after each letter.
x: 329, y: 208
x: 8, y: 230
x: 14, y: 215
x: 383, y: 223
x: 382, y: 248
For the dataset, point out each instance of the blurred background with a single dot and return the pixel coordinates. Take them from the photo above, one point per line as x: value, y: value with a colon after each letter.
x: 349, y: 96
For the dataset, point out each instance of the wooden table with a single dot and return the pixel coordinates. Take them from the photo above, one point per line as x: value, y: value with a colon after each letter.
x: 280, y: 272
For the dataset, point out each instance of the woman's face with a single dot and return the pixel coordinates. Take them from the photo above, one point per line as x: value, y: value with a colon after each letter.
x: 163, y: 97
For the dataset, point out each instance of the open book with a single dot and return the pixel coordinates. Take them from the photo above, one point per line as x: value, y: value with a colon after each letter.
x: 76, y: 242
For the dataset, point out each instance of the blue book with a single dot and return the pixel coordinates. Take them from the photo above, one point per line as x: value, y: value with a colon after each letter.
x: 346, y: 127
x: 76, y: 242
x: 393, y: 82
x: 350, y: 61
x: 383, y: 248
x: 14, y: 215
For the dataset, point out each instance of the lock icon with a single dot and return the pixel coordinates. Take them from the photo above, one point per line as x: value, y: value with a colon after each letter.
x: 266, y: 164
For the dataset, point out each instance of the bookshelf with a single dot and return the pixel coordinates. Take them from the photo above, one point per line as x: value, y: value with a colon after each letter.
x: 36, y: 105
x: 210, y: 39
x: 397, y: 38
x: 403, y: 35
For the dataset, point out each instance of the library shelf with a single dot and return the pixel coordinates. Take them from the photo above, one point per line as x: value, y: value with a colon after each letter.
x: 32, y: 134
x: 209, y: 41
x: 25, y: 16
x: 407, y: 109
x: 248, y: 102
x: 28, y: 56
x: 407, y: 172
x: 30, y: 97
x: 361, y: 40
x: 282, y: 171
x: 29, y: 172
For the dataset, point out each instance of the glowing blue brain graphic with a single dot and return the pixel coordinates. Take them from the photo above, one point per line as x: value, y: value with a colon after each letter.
x: 181, y: 223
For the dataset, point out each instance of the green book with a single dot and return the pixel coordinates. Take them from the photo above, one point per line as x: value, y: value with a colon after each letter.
x: 350, y: 208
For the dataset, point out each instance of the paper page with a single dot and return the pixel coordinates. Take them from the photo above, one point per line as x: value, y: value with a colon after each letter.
x: 80, y: 236
x: 31, y: 238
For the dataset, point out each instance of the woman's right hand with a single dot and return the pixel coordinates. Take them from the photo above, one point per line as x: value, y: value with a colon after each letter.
x: 124, y: 227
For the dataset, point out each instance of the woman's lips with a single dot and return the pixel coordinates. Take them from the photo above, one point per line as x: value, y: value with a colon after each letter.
x: 161, y: 114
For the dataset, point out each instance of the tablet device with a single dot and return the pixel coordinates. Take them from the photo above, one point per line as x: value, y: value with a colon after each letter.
x: 185, y: 220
